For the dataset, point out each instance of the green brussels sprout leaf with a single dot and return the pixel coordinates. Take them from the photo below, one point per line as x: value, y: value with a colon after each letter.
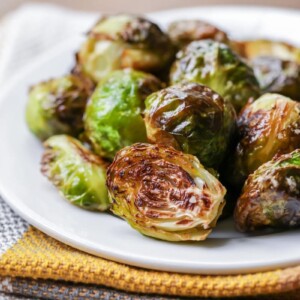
x: 192, y: 118
x: 124, y: 41
x: 77, y: 173
x: 56, y: 106
x: 215, y: 65
x: 113, y: 118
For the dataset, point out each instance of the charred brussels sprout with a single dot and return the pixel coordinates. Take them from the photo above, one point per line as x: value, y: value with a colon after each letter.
x: 164, y: 193
x: 278, y: 76
x: 271, y: 195
x: 185, y: 31
x: 214, y: 64
x: 113, y: 117
x: 77, y: 173
x: 56, y: 106
x: 124, y: 41
x: 255, y: 48
x: 192, y: 118
x: 268, y: 126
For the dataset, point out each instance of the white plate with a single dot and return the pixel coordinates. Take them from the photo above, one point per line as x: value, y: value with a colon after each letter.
x: 34, y: 198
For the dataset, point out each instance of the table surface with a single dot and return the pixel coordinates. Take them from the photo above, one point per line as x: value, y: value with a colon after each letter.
x: 140, y: 6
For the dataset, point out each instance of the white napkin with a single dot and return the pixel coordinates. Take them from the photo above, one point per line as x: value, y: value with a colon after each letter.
x: 24, y: 34
x: 35, y: 28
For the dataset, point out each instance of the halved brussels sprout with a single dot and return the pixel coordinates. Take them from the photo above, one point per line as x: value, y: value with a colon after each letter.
x: 214, y: 64
x: 271, y: 195
x: 56, y: 106
x: 185, y: 31
x: 124, y: 41
x: 192, y: 118
x: 255, y: 48
x: 113, y: 117
x: 164, y: 193
x: 268, y: 126
x: 278, y: 76
x: 78, y: 174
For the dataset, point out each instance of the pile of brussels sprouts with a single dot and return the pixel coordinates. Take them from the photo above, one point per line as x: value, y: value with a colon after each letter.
x: 160, y: 128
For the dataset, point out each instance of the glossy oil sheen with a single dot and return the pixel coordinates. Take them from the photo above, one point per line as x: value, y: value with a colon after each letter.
x: 33, y: 197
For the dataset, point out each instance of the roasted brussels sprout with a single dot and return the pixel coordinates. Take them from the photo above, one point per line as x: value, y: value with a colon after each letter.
x: 185, y: 31
x: 192, y: 118
x: 278, y: 76
x: 113, y: 117
x: 214, y: 64
x: 268, y: 126
x: 271, y: 195
x: 164, y: 193
x: 124, y: 41
x: 56, y: 106
x: 78, y: 174
x: 255, y: 48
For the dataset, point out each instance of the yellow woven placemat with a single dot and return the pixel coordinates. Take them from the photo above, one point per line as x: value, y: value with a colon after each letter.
x: 36, y: 255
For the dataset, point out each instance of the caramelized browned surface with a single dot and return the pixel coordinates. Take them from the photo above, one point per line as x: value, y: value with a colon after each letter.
x: 161, y: 192
x: 191, y: 118
x: 264, y: 133
x: 70, y: 105
x: 271, y: 196
x: 185, y: 31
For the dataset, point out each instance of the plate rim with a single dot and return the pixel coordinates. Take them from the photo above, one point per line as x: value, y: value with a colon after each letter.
x: 70, y: 239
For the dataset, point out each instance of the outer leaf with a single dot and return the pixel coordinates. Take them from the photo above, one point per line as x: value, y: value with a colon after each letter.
x: 268, y: 126
x: 56, y: 106
x: 164, y: 193
x: 218, y: 67
x: 78, y: 174
x: 113, y: 117
x: 271, y: 195
x: 124, y: 41
x: 191, y: 118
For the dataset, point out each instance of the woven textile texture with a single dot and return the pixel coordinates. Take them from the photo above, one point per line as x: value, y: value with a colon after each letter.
x: 36, y: 255
x: 31, y: 254
x: 47, y: 289
x: 12, y: 227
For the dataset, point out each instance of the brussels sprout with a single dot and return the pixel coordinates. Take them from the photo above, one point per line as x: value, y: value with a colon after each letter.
x: 192, y: 118
x: 214, y: 64
x: 278, y: 76
x: 255, y: 48
x: 56, y: 106
x: 271, y: 195
x: 268, y: 126
x: 113, y: 117
x: 230, y: 199
x: 78, y: 174
x: 124, y: 41
x: 185, y: 31
x: 164, y: 193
